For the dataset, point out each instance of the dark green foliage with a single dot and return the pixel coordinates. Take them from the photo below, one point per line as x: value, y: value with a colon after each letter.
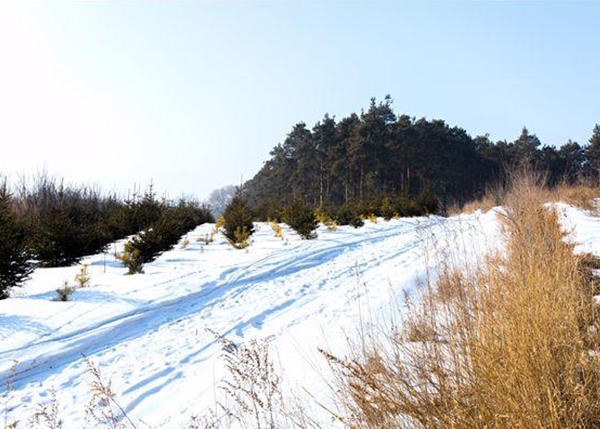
x: 272, y: 210
x: 348, y: 214
x: 301, y: 218
x: 238, y: 217
x: 163, y: 234
x: 427, y: 203
x: 69, y: 227
x: 386, y: 209
x: 14, y: 265
x: 65, y: 223
x: 420, y: 165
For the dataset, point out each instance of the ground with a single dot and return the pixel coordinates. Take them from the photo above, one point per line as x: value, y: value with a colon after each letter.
x: 148, y: 332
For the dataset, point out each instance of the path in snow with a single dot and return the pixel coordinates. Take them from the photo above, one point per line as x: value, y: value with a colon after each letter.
x: 147, y: 332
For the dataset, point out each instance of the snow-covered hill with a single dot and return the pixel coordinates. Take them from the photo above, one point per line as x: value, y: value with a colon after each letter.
x: 147, y: 332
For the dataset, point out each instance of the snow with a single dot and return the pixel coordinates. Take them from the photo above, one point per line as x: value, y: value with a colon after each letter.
x: 148, y: 332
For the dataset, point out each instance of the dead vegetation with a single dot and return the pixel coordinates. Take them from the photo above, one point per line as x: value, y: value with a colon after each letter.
x: 513, y: 344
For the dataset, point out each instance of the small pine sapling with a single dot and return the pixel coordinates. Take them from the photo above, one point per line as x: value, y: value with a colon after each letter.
x: 348, y: 215
x: 132, y: 259
x: 219, y: 224
x: 301, y: 218
x: 276, y: 228
x: 83, y: 277
x: 65, y: 292
x: 184, y: 243
x: 241, y: 235
x: 387, y: 209
x: 238, y: 223
x: 325, y: 219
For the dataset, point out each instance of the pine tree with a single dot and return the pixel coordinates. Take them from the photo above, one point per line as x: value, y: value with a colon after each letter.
x: 592, y: 156
x: 14, y: 265
x: 301, y: 218
x: 238, y: 217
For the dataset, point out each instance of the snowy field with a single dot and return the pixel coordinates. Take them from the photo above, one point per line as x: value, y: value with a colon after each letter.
x: 148, y: 332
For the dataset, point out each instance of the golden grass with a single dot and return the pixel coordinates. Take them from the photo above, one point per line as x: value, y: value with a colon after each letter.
x: 513, y: 344
x: 582, y: 196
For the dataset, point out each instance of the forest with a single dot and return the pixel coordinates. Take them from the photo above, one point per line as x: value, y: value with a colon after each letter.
x: 379, y: 158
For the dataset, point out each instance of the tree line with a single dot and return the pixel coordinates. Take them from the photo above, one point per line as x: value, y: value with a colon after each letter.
x: 48, y: 223
x: 379, y: 158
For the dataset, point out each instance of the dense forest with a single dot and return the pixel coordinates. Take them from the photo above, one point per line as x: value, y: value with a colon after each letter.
x: 378, y: 156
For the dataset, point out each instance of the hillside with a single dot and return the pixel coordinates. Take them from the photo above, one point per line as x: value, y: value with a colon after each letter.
x: 147, y: 332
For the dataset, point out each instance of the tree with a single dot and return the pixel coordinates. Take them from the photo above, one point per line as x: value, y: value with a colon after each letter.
x: 301, y: 218
x: 238, y: 217
x: 592, y: 156
x: 14, y: 260
x: 219, y: 199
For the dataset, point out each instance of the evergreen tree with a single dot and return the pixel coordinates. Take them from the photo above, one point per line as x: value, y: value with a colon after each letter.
x: 592, y: 156
x: 301, y: 218
x: 362, y: 158
x: 14, y: 265
x: 238, y: 217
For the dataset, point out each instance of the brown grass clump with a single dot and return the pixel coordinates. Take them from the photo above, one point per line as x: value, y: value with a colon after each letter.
x: 513, y: 344
x: 493, y: 197
x: 581, y: 196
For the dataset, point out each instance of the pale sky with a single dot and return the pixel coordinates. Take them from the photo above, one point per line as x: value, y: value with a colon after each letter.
x: 192, y: 95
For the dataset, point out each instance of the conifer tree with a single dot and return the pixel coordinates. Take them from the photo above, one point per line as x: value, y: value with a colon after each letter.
x: 238, y: 217
x: 301, y: 218
x: 592, y: 155
x: 14, y: 265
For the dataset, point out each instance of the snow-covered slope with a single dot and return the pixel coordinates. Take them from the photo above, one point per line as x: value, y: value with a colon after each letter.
x: 147, y: 332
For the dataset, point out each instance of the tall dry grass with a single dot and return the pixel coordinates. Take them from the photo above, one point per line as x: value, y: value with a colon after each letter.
x: 582, y: 196
x: 513, y: 344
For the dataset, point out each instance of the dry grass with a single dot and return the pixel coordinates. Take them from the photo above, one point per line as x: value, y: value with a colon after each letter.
x: 512, y: 345
x: 582, y: 196
x: 493, y: 197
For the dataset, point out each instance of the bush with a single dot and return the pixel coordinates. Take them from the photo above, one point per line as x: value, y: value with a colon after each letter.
x: 14, y: 260
x: 238, y: 225
x: 132, y: 258
x: 348, y: 214
x: 386, y: 209
x: 163, y: 234
x: 428, y: 203
x: 83, y: 277
x: 64, y: 293
x: 301, y: 218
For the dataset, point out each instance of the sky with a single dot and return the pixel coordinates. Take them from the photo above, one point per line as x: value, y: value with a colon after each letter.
x: 193, y: 95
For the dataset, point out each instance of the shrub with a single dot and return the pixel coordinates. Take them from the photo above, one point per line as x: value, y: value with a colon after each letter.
x: 219, y: 224
x: 163, y: 234
x: 428, y: 203
x: 301, y: 218
x: 348, y: 214
x: 83, y: 277
x: 132, y: 258
x: 325, y: 219
x: 65, y: 292
x: 14, y: 260
x: 238, y: 225
x: 276, y: 228
x: 386, y: 209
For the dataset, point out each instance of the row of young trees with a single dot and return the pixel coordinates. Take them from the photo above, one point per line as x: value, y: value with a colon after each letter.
x: 363, y: 159
x: 171, y: 223
x: 49, y: 224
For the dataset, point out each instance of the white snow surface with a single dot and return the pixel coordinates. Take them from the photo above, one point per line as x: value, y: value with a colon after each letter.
x: 147, y: 332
